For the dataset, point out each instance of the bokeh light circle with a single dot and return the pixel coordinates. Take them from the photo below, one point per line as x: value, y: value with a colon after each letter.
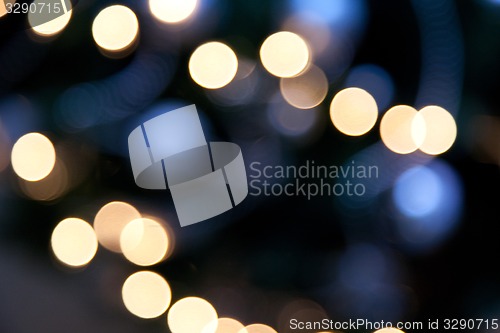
x: 440, y: 130
x: 110, y: 221
x: 226, y: 325
x: 402, y: 129
x: 417, y: 192
x: 74, y: 242
x: 213, y: 65
x: 146, y: 294
x: 258, y: 328
x: 144, y: 242
x: 389, y: 330
x: 353, y: 111
x: 33, y: 157
x: 172, y: 11
x: 306, y: 90
x: 284, y: 54
x: 51, y: 27
x: 115, y: 28
x: 192, y: 315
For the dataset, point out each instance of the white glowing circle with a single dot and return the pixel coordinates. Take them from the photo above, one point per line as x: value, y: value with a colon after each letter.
x: 74, y: 242
x: 306, y: 90
x: 33, y: 157
x: 146, y: 294
x: 401, y: 129
x: 110, y: 221
x: 284, y: 54
x: 226, y: 325
x: 258, y: 328
x: 172, y: 11
x: 213, y: 65
x: 440, y: 130
x: 53, y: 26
x: 192, y: 315
x: 115, y: 28
x: 389, y: 330
x: 144, y: 242
x: 353, y: 111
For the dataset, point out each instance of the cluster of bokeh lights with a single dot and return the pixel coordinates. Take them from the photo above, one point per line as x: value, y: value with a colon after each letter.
x: 290, y: 58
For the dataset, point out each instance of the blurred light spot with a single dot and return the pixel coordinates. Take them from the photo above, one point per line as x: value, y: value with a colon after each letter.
x: 144, y: 242
x: 430, y: 199
x: 33, y: 156
x: 340, y: 14
x: 401, y: 129
x: 259, y: 328
x: 226, y: 325
x: 306, y: 90
x: 110, y: 221
x: 353, y: 111
x: 115, y: 28
x: 389, y: 330
x: 74, y: 242
x: 3, y: 8
x: 417, y: 192
x: 51, y: 27
x: 312, y: 28
x: 440, y: 130
x: 284, y: 54
x: 375, y: 80
x: 146, y: 294
x: 213, y: 65
x: 192, y: 315
x: 172, y: 11
x: 49, y: 188
x: 291, y: 121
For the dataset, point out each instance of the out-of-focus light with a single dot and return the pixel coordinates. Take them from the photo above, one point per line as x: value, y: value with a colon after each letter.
x: 74, y: 242
x: 417, y: 192
x: 51, y: 27
x: 389, y: 330
x: 172, y: 11
x: 440, y: 130
x: 49, y: 188
x: 110, y: 221
x: 146, y: 294
x: 192, y: 315
x: 259, y: 328
x: 284, y: 54
x: 33, y: 156
x: 144, y: 242
x: 115, y: 28
x: 429, y: 199
x: 375, y: 80
x: 402, y: 130
x: 340, y: 14
x: 213, y: 65
x: 226, y: 325
x: 3, y: 6
x: 353, y: 111
x: 306, y: 90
